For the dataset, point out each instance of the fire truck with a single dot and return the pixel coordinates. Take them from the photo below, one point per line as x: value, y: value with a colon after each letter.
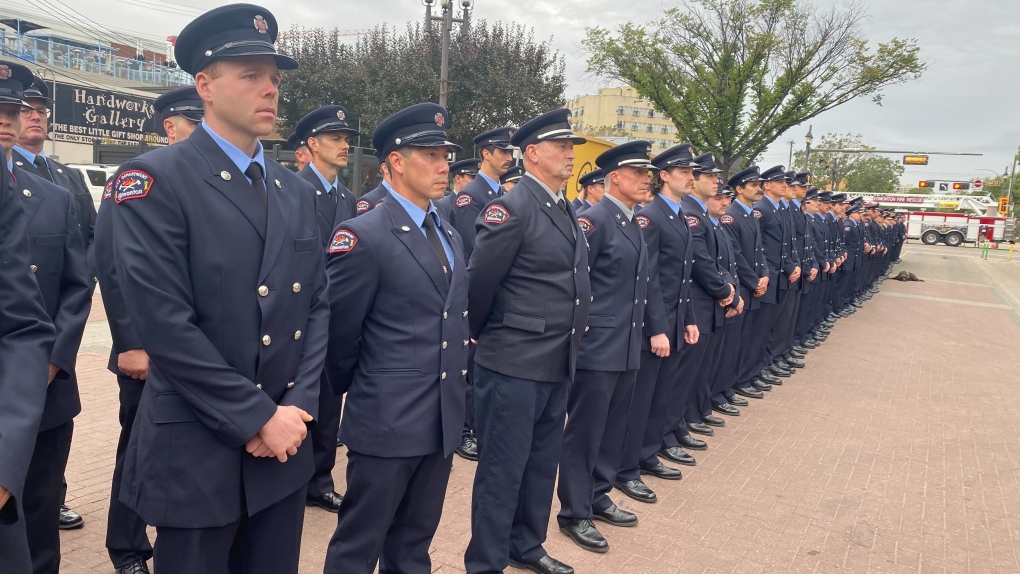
x: 952, y: 229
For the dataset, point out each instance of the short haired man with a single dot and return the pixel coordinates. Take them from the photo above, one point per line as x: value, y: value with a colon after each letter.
x: 464, y: 172
x: 302, y: 156
x: 179, y: 112
x: 593, y: 188
x: 511, y: 178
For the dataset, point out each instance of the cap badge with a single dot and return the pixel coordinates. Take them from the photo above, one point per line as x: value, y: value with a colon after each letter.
x: 340, y: 115
x: 440, y: 120
x: 5, y: 72
x: 261, y: 25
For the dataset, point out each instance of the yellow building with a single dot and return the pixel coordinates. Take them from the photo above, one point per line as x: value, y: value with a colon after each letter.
x: 625, y: 114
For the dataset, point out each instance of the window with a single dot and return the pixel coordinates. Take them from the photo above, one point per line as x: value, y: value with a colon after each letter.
x: 649, y: 128
x: 620, y: 111
x: 97, y: 178
x: 619, y: 125
x: 662, y: 143
x: 651, y: 113
x: 637, y: 112
x: 665, y: 129
x: 634, y: 127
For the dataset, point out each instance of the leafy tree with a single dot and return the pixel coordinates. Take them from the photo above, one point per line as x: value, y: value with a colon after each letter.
x: 858, y: 172
x: 499, y: 75
x: 734, y: 75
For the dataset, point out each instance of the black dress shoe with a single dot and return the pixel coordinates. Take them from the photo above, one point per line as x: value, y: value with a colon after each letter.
x: 800, y: 349
x: 544, y: 565
x: 785, y: 364
x: 691, y: 443
x: 810, y: 344
x: 828, y: 323
x: 794, y: 362
x: 760, y: 385
x: 823, y: 330
x: 700, y: 428
x: 739, y: 402
x: 767, y: 378
x: 668, y: 472
x: 780, y: 372
x: 138, y: 567
x: 677, y: 455
x: 713, y: 421
x: 615, y: 516
x: 726, y: 409
x: 795, y: 355
x: 637, y: 490
x: 749, y: 392
x: 329, y: 501
x: 585, y: 535
x: 468, y: 448
x: 69, y: 519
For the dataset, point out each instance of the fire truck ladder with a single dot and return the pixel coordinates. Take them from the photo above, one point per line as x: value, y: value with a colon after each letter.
x: 977, y: 204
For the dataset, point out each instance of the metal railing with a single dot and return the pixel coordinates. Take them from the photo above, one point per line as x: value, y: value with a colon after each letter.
x: 95, y: 59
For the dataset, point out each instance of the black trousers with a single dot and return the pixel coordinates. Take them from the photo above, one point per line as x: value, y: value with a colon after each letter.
x: 44, y: 495
x: 519, y: 424
x: 323, y: 438
x: 268, y: 542
x: 725, y: 378
x: 683, y: 385
x: 647, y: 419
x: 753, y: 352
x: 126, y: 540
x: 699, y: 402
x: 598, y: 408
x: 390, y: 514
x: 782, y: 332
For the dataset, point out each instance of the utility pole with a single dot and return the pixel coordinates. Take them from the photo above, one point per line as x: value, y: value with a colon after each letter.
x: 790, y: 162
x: 808, y: 138
x: 446, y: 21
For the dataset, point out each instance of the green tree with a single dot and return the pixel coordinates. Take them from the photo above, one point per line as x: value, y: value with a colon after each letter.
x: 734, y: 75
x: 499, y: 75
x: 857, y: 172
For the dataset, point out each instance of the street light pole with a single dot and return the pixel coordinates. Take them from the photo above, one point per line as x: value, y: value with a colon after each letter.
x: 446, y: 21
x: 808, y: 138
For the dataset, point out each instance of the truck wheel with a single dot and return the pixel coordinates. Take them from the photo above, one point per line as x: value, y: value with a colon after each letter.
x: 931, y: 237
x: 954, y: 239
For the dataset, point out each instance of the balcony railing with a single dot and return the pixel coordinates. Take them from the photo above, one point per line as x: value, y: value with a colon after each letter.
x: 93, y: 60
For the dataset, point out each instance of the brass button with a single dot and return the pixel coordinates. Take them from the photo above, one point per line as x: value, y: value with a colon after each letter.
x: 225, y: 175
x: 263, y: 290
x: 586, y: 329
x: 297, y: 335
x: 577, y: 301
x: 572, y: 331
x: 296, y: 287
x: 443, y: 376
x: 466, y: 342
x: 27, y: 193
x: 290, y: 385
x: 465, y: 313
x: 258, y: 386
x: 463, y: 373
x: 444, y: 315
x: 444, y: 344
x: 33, y: 268
x: 266, y: 340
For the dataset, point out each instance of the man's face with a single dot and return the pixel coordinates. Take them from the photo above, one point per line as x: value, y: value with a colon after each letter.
x: 630, y: 184
x: 554, y: 157
x: 705, y: 185
x: 304, y: 157
x: 10, y: 125
x: 799, y: 192
x: 178, y: 128
x: 679, y: 179
x: 856, y: 216
x: 244, y: 94
x: 33, y: 123
x: 331, y: 148
x: 750, y: 192
x: 776, y: 188
x: 499, y: 160
x: 461, y: 180
x: 716, y: 204
x: 811, y: 207
x: 595, y: 192
x: 424, y: 173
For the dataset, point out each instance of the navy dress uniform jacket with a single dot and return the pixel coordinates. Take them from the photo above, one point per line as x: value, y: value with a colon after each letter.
x: 709, y: 281
x: 776, y: 240
x: 804, y: 243
x: 529, y: 264
x: 852, y: 244
x: 329, y: 214
x: 370, y: 200
x: 398, y: 337
x: 26, y: 344
x: 85, y: 209
x: 122, y: 332
x: 58, y: 260
x: 744, y: 229
x: 463, y: 209
x: 670, y: 262
x: 618, y: 259
x: 229, y: 298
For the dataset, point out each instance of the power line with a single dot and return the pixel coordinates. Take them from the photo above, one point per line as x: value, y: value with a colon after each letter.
x: 161, y: 7
x: 87, y: 19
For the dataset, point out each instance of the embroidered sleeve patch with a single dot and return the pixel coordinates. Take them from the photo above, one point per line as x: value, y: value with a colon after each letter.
x: 693, y: 221
x: 756, y: 213
x: 585, y: 224
x: 463, y: 200
x: 343, y: 241
x: 108, y: 189
x: 847, y: 228
x: 132, y: 184
x: 726, y: 219
x: 496, y: 214
x: 363, y: 206
x: 642, y: 221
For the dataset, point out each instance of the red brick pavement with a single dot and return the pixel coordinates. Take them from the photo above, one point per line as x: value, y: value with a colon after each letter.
x: 895, y: 451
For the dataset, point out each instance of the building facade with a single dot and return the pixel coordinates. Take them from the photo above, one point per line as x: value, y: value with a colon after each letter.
x: 627, y: 115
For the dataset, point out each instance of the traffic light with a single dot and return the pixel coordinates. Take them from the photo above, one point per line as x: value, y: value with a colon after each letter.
x: 1004, y: 205
x: 961, y: 185
x: 925, y: 184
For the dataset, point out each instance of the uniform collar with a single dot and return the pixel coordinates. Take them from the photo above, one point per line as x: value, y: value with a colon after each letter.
x: 556, y: 196
x: 416, y: 213
x: 714, y: 221
x: 675, y: 206
x: 628, y: 212
x: 774, y: 203
x: 325, y: 184
x: 27, y: 154
x: 238, y: 157
x: 387, y: 186
x: 784, y: 202
x: 493, y: 184
x: 795, y: 203
x: 746, y: 209
x: 697, y: 199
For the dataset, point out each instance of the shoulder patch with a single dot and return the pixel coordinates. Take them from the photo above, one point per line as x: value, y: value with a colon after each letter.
x: 642, y: 221
x: 726, y: 219
x: 496, y: 214
x: 343, y: 241
x: 756, y: 213
x: 585, y: 224
x: 108, y: 189
x: 363, y: 206
x: 847, y: 228
x: 132, y: 184
x: 693, y: 221
x: 463, y: 200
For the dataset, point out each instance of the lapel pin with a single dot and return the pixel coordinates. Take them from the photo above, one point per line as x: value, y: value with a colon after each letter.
x: 405, y: 228
x: 547, y: 204
x: 225, y: 175
x: 27, y: 193
x: 317, y: 192
x: 278, y: 186
x: 60, y: 170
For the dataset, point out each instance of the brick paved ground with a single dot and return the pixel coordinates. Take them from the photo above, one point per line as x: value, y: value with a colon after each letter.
x: 895, y: 451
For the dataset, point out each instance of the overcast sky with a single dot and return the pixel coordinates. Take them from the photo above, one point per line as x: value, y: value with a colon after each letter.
x: 963, y: 103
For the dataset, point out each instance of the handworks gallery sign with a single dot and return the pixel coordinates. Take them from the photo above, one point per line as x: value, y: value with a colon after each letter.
x: 84, y: 115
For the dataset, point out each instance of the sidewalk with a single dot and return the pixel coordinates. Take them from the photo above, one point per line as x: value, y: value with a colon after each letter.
x: 895, y: 451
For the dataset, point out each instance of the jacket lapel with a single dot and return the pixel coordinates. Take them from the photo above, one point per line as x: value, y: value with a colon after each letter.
x: 547, y: 206
x: 417, y: 244
x: 278, y: 217
x: 31, y: 203
x: 323, y: 204
x: 631, y: 232
x: 234, y: 185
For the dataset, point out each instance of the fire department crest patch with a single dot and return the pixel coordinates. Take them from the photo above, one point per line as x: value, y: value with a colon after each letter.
x: 642, y: 221
x: 496, y: 214
x: 693, y: 221
x: 440, y: 120
x: 362, y: 206
x: 340, y: 115
x: 585, y: 224
x: 463, y: 200
x: 343, y: 241
x: 132, y: 184
x: 5, y: 72
x: 847, y: 228
x: 261, y: 25
x: 756, y: 213
x: 726, y: 219
x: 108, y: 189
